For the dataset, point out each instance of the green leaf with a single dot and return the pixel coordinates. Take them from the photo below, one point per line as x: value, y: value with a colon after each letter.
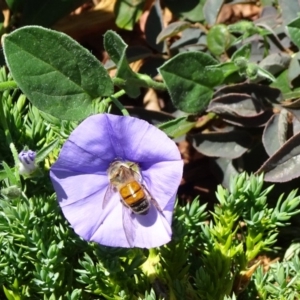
x: 294, y: 70
x: 295, y: 104
x: 151, y: 116
x: 188, y: 9
x: 251, y: 71
x: 282, y: 83
x: 176, y: 128
x: 190, y: 81
x: 128, y: 12
x: 243, y: 52
x: 58, y: 75
x: 171, y: 30
x: 284, y: 164
x: 241, y: 105
x: 46, y: 13
x: 42, y: 154
x: 262, y: 73
x: 14, y: 5
x: 116, y: 49
x: 211, y: 10
x: 262, y: 94
x: 275, y: 132
x: 219, y: 39
x: 1, y: 30
x: 230, y: 144
x: 293, y: 29
x: 10, y: 174
x: 289, y: 10
x: 275, y: 62
x: 292, y: 250
x: 243, y: 27
x: 11, y: 295
x: 11, y: 192
x: 154, y: 25
x: 3, y: 175
x: 228, y: 68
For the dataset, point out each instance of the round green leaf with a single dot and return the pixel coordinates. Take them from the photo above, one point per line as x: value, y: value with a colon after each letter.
x: 230, y: 144
x: 243, y: 52
x: 116, y: 49
x: 289, y: 10
x: 58, y: 75
x: 171, y: 30
x: 14, y: 5
x: 190, y: 78
x: 275, y: 132
x: 236, y: 104
x: 219, y: 39
x: 276, y: 62
x: 44, y: 13
x: 283, y: 165
x: 154, y: 25
x: 178, y: 127
x: 188, y: 9
x: 293, y: 29
x: 128, y: 12
x: 211, y: 9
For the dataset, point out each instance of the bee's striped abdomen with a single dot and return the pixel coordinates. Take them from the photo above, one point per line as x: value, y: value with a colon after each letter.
x: 134, y: 196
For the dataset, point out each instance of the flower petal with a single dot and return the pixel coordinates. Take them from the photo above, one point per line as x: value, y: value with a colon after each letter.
x: 87, y: 216
x: 107, y: 137
x: 138, y: 141
x: 152, y: 234
x: 72, y: 186
x: 81, y: 204
x: 73, y: 157
x: 80, y: 179
x: 91, y: 141
x: 162, y: 179
x: 151, y: 230
x: 169, y: 208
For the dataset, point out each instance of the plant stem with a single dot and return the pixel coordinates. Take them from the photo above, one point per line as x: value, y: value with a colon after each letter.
x: 116, y: 95
x: 8, y: 85
x: 147, y: 81
x: 142, y: 81
x: 120, y: 106
x: 114, y: 99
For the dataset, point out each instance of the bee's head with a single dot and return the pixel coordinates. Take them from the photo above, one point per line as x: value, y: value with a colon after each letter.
x: 114, y: 168
x: 117, y: 171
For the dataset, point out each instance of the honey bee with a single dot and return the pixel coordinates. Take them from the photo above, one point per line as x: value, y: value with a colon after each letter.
x: 126, y: 179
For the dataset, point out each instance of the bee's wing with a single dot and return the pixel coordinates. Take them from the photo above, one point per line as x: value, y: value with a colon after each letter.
x: 128, y: 226
x: 156, y: 205
x: 108, y: 195
x: 154, y: 202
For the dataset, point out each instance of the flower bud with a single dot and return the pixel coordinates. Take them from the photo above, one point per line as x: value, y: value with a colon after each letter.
x: 27, y: 164
x: 11, y: 192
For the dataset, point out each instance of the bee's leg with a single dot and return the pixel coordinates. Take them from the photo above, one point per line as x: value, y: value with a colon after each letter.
x: 128, y: 226
x: 137, y: 176
x: 154, y: 202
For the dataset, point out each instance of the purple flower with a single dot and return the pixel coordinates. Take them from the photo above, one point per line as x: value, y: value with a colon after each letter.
x: 27, y: 164
x: 82, y: 183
